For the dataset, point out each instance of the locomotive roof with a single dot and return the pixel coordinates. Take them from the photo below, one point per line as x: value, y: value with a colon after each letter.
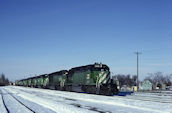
x: 43, y: 75
x: 91, y: 66
x: 34, y: 77
x: 58, y: 72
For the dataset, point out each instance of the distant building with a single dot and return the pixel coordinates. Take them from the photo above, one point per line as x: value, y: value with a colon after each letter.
x: 146, y: 85
x: 11, y: 83
x: 160, y: 86
x: 169, y: 88
x: 134, y: 88
x: 125, y: 88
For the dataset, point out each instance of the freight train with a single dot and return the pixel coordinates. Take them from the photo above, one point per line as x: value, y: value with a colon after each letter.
x: 93, y: 79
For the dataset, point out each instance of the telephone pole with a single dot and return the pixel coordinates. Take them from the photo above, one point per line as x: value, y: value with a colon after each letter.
x: 137, y: 80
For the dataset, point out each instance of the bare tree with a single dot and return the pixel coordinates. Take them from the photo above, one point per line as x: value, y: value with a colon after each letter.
x: 126, y: 79
x: 159, y: 77
x: 3, y: 80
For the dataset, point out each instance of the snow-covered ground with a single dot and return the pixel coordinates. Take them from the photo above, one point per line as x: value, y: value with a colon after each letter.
x: 28, y: 100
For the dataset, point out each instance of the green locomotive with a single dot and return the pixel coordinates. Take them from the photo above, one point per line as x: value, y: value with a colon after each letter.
x: 57, y: 80
x: 93, y: 79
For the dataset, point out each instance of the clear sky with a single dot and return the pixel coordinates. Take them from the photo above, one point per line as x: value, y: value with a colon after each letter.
x: 43, y: 36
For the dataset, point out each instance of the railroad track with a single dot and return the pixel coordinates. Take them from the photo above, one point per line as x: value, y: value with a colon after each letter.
x: 6, y: 107
x: 134, y: 97
x: 151, y: 99
x: 4, y: 102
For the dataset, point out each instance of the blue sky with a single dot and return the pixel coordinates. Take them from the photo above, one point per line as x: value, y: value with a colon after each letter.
x: 43, y: 36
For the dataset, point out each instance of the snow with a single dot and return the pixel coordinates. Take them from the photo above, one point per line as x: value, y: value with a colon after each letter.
x: 13, y: 106
x: 2, y: 108
x: 51, y: 101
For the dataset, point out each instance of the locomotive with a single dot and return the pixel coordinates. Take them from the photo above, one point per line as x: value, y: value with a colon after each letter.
x: 93, y: 79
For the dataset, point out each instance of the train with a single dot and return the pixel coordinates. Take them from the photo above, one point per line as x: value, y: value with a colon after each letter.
x: 93, y: 79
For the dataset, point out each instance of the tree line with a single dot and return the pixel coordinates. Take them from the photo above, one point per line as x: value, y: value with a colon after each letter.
x: 3, y: 80
x: 126, y: 79
x: 157, y: 77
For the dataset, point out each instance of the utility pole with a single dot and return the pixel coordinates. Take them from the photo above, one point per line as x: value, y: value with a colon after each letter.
x: 137, y: 80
